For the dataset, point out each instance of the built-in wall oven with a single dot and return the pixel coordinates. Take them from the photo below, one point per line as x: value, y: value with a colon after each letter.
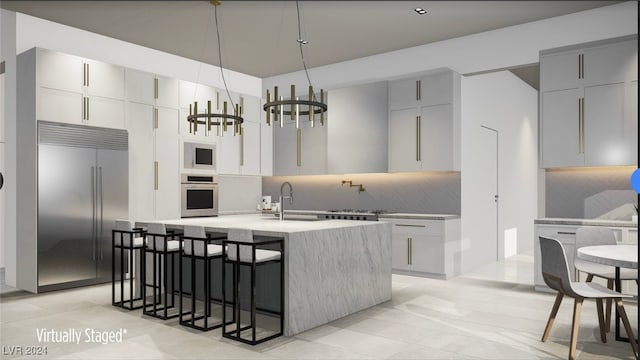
x: 199, y: 195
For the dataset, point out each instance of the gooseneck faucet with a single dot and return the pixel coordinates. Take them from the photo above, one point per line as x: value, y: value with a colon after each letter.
x: 282, y: 197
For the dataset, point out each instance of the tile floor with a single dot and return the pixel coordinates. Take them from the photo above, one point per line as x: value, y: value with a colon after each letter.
x: 492, y: 313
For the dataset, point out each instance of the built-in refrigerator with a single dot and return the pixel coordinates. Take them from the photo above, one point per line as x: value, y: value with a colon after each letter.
x: 82, y: 189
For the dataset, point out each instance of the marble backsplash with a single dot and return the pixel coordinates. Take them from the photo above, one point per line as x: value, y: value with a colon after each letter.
x: 587, y: 193
x: 437, y: 192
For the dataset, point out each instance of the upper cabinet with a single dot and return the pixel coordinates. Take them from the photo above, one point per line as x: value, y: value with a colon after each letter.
x: 424, y: 123
x: 300, y: 151
x: 75, y: 90
x: 587, y: 104
x: 147, y: 88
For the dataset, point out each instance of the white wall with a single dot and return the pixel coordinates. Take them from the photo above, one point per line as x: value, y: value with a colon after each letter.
x: 239, y: 193
x: 496, y: 49
x: 503, y: 102
x: 8, y: 224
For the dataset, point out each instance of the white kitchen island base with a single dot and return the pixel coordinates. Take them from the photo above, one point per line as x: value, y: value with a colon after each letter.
x: 333, y: 268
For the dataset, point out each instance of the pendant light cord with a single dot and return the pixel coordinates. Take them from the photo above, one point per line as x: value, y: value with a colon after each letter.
x: 300, y: 41
x: 224, y: 81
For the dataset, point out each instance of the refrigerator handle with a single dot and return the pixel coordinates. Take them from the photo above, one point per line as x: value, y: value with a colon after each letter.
x: 93, y: 215
x: 101, y: 212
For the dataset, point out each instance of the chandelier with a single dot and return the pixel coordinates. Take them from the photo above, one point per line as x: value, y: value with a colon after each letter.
x: 222, y: 120
x: 294, y: 107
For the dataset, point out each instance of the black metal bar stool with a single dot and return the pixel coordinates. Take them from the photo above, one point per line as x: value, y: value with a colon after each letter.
x: 242, y: 250
x: 163, y: 245
x: 198, y: 245
x: 126, y: 240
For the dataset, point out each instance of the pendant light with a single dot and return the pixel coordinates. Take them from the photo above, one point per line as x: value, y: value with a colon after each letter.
x: 293, y: 108
x: 221, y: 120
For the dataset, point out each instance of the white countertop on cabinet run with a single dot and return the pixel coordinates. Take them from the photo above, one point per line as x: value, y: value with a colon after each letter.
x: 268, y: 225
x: 585, y: 222
x: 333, y: 268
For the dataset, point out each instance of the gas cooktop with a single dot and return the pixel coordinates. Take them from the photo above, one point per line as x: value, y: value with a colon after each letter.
x: 352, y: 214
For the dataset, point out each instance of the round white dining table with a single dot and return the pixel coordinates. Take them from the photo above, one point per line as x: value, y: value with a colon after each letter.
x: 625, y: 256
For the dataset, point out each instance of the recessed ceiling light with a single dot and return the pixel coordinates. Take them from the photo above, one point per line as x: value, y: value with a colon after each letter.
x: 420, y: 11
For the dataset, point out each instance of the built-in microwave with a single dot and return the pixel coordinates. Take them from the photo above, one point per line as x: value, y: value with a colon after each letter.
x: 199, y: 156
x: 199, y: 195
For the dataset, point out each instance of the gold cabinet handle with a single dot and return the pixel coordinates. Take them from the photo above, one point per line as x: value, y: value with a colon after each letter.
x: 418, y: 95
x: 582, y: 124
x: 241, y: 146
x: 83, y: 108
x: 408, y: 251
x: 411, y: 225
x: 155, y: 118
x: 84, y: 74
x: 155, y: 175
x: 418, y: 147
x: 87, y: 102
x: 87, y: 78
x: 155, y: 88
x: 298, y: 147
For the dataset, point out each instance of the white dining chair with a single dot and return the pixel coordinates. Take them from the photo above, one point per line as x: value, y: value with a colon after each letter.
x: 555, y: 272
x: 592, y: 236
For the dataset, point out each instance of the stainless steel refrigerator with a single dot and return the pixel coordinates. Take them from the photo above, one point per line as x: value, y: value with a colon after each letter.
x: 83, y: 182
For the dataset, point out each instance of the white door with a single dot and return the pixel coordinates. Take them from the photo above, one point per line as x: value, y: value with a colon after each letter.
x: 403, y: 94
x: 167, y: 92
x: 487, y: 187
x: 400, y: 256
x: 559, y: 71
x: 60, y: 71
x: 59, y: 106
x: 229, y: 153
x: 427, y: 254
x: 313, y: 149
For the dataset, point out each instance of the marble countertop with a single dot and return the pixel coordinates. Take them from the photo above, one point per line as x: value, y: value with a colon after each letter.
x: 381, y: 216
x: 261, y: 224
x: 590, y: 222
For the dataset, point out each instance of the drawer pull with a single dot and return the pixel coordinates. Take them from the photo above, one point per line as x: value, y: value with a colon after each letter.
x: 565, y: 233
x: 410, y: 225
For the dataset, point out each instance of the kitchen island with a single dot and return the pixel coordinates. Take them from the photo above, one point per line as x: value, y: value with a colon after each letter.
x: 333, y: 268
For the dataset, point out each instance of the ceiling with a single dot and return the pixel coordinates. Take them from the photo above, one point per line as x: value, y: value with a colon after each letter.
x: 259, y: 37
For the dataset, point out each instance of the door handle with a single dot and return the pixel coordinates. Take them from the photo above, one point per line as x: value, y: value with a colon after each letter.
x: 101, y: 211
x: 93, y: 214
x: 418, y: 147
x: 408, y: 251
x: 1, y: 180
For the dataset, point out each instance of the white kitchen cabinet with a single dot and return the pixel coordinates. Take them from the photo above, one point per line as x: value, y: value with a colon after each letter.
x: 426, y: 136
x: 561, y: 128
x: 433, y: 89
x: 154, y: 162
x: 79, y: 91
x: 586, y: 104
x: 403, y: 140
x: 422, y: 141
x: 147, y: 88
x: 313, y: 150
x: 59, y: 105
x: 250, y: 148
x: 104, y: 80
x: 60, y: 71
x: 425, y: 247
